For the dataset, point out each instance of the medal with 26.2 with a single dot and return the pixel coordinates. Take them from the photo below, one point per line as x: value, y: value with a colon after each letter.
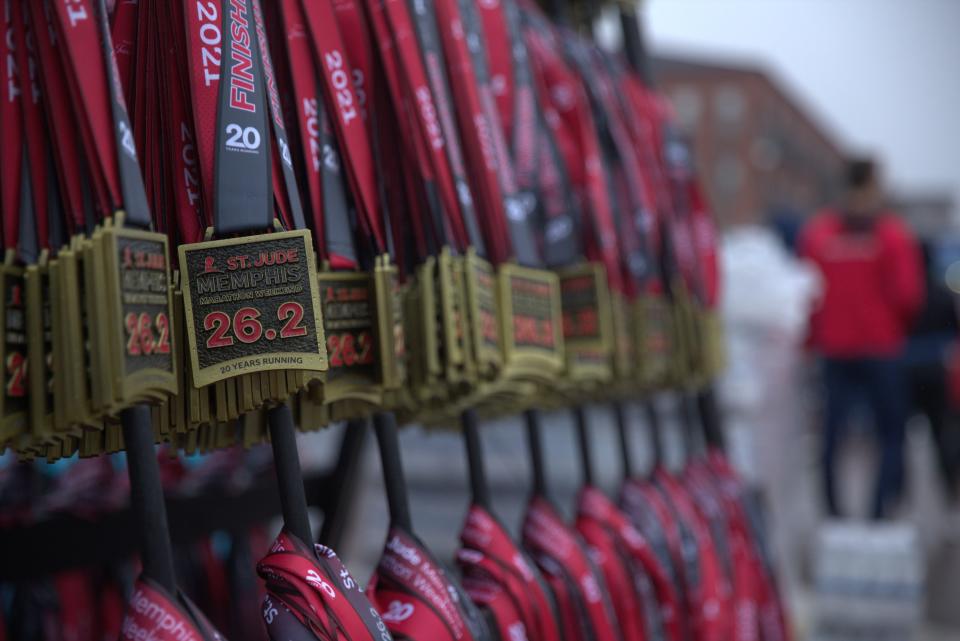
x: 252, y: 305
x: 246, y: 326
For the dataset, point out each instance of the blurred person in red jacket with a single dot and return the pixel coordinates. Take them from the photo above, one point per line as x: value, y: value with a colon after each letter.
x: 873, y: 287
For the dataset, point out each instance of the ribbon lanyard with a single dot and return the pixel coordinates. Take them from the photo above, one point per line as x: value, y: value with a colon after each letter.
x: 286, y: 196
x: 344, y: 104
x: 407, y: 572
x: 91, y: 92
x: 509, y: 71
x: 346, y: 117
x: 424, y: 21
x: 157, y: 613
x: 242, y: 163
x: 180, y: 148
x: 35, y: 200
x: 631, y: 102
x: 310, y: 585
x: 133, y: 264
x: 134, y: 198
x: 11, y: 129
x: 60, y: 120
x: 694, y: 235
x: 14, y: 197
x: 652, y: 110
x: 409, y: 177
x: 578, y: 143
x: 623, y: 165
x: 203, y: 29
x: 337, y: 145
x: 429, y: 135
x: 539, y: 167
x: 312, y: 125
x: 508, y: 229
x: 564, y: 559
x: 226, y: 153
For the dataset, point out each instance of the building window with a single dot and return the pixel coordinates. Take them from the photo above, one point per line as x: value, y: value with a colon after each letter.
x: 688, y: 105
x: 765, y: 153
x: 727, y: 174
x: 729, y: 107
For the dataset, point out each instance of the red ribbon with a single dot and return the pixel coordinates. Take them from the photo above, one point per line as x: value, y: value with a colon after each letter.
x: 412, y: 86
x: 626, y: 557
x: 571, y: 122
x: 414, y: 595
x: 499, y: 576
x: 203, y: 22
x: 772, y: 614
x: 154, y: 614
x: 305, y: 88
x: 707, y: 590
x: 489, y: 168
x: 77, y: 27
x: 582, y: 598
x: 123, y: 33
x: 60, y: 115
x: 344, y: 105
x: 33, y: 122
x: 11, y: 132
x: 316, y: 589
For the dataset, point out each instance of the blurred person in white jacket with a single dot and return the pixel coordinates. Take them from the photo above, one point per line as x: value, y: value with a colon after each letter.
x: 766, y: 303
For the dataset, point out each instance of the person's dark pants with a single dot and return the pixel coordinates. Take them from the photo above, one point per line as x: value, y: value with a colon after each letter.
x: 928, y: 385
x: 879, y: 382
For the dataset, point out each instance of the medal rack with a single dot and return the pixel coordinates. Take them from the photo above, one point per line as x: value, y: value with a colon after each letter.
x: 246, y: 352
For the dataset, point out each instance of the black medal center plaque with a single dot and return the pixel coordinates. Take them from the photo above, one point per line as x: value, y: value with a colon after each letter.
x: 252, y: 305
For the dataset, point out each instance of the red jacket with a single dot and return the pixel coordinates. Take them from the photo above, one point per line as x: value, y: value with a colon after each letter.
x: 873, y: 285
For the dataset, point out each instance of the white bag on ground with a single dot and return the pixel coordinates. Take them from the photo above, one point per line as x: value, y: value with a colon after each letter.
x: 868, y: 580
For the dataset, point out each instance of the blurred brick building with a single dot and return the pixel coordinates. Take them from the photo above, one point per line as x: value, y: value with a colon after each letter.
x: 761, y: 156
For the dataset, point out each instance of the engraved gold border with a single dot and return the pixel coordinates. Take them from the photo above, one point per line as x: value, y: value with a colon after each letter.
x: 151, y: 382
x: 605, y: 342
x: 311, y: 361
x: 489, y: 359
x: 41, y: 420
x: 14, y: 424
x: 352, y: 385
x: 537, y: 363
x: 389, y: 305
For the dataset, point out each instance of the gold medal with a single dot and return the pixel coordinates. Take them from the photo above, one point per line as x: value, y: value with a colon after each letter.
x: 715, y: 350
x: 251, y: 305
x: 653, y: 336
x: 481, y: 288
x: 428, y: 373
x: 349, y: 309
x: 626, y: 357
x: 530, y: 324
x: 13, y: 353
x: 142, y: 346
x: 58, y: 340
x: 179, y: 413
x: 391, y: 335
x: 75, y: 293
x: 588, y: 325
x: 39, y: 349
x: 452, y: 318
x: 96, y: 330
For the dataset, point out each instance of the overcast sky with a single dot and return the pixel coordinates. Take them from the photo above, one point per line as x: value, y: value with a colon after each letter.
x: 880, y: 75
